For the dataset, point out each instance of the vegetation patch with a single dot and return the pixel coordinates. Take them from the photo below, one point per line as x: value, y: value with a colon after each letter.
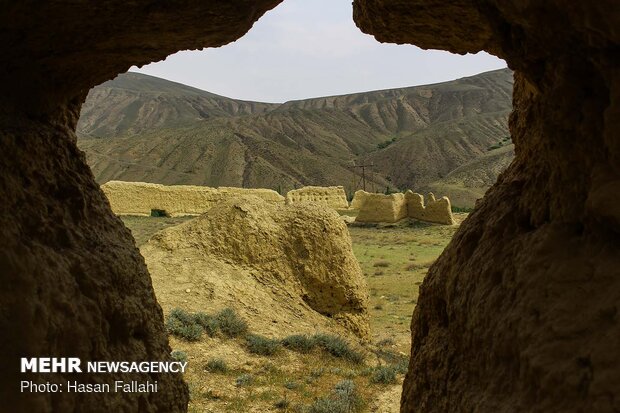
x: 261, y: 345
x: 216, y: 365
x: 191, y: 326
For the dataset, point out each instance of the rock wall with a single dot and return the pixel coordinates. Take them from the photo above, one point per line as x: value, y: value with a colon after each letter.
x: 287, y: 268
x: 381, y: 208
x: 331, y: 196
x: 139, y: 198
x: 520, y: 312
x: 74, y: 284
x: 437, y: 211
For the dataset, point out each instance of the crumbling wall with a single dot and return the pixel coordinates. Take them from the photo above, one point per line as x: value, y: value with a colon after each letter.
x: 277, y: 264
x: 331, y: 196
x: 358, y: 199
x: 139, y: 198
x: 382, y: 208
x: 437, y: 211
x: 520, y: 312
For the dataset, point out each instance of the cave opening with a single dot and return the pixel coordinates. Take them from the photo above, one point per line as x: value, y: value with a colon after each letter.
x: 504, y: 299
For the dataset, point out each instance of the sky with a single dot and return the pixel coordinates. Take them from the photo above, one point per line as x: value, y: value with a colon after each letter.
x: 311, y: 48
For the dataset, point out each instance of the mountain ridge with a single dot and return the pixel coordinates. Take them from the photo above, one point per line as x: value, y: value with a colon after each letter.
x: 155, y: 130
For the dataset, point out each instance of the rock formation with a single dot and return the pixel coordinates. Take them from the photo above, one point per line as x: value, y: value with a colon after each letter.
x: 286, y: 268
x: 381, y: 208
x: 141, y: 198
x: 74, y: 284
x: 520, y: 312
x: 331, y: 196
x: 437, y: 211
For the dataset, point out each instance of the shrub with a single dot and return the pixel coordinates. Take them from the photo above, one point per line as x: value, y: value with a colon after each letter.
x: 299, y: 342
x: 179, y: 355
x: 189, y: 332
x: 338, y: 347
x: 346, y: 392
x: 217, y: 366
x: 209, y: 323
x: 181, y: 324
x: 230, y: 323
x: 244, y: 380
x: 383, y: 264
x: 344, y: 399
x: 263, y: 346
x: 383, y: 375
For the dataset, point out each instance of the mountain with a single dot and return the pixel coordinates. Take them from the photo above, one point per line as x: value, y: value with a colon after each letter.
x: 138, y: 127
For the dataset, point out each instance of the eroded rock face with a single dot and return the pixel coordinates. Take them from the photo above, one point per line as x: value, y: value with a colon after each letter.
x: 520, y: 313
x: 73, y: 282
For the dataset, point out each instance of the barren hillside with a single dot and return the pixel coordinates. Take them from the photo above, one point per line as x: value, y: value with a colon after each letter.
x: 141, y: 128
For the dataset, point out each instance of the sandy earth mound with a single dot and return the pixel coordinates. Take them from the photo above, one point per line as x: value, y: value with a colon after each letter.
x: 286, y: 268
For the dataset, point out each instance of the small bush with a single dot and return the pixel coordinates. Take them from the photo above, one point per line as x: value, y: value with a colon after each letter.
x: 217, y: 366
x: 230, y: 323
x: 378, y: 307
x: 180, y: 323
x: 383, y: 375
x: 244, y: 380
x: 299, y: 342
x: 344, y: 399
x: 209, y: 323
x: 179, y: 355
x: 262, y: 345
x: 338, y: 347
x: 382, y: 264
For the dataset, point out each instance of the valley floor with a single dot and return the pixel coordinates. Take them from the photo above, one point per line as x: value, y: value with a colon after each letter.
x: 224, y: 376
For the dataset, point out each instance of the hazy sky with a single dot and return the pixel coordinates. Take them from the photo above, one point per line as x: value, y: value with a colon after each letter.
x: 310, y: 48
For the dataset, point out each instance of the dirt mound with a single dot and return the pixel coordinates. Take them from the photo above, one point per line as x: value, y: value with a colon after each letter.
x: 279, y: 265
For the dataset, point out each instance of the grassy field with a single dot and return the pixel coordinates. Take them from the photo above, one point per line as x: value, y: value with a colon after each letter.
x: 394, y: 259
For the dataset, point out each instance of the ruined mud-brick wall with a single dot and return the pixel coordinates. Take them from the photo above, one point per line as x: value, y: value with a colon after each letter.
x: 381, y: 208
x: 437, y: 211
x: 394, y: 207
x: 358, y: 199
x: 331, y: 196
x: 73, y: 282
x: 292, y: 264
x: 520, y: 312
x: 140, y: 198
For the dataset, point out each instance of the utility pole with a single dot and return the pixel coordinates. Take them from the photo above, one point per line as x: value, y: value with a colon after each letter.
x: 363, y: 167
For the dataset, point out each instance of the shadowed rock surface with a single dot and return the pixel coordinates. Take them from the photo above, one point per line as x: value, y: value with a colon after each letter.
x: 520, y: 313
x: 73, y: 282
